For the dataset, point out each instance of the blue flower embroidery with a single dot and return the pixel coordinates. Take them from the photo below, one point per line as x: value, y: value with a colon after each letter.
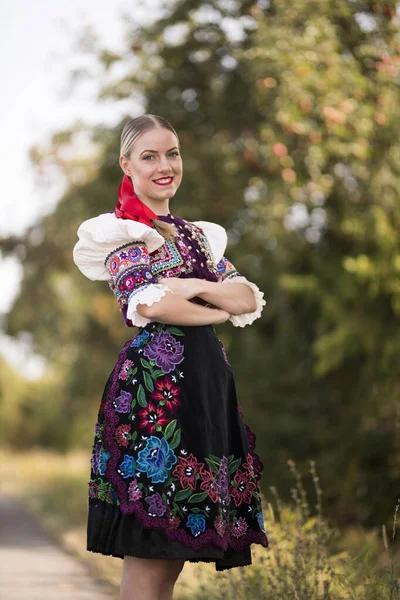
x: 103, y: 459
x: 260, y: 519
x: 156, y: 459
x: 196, y: 523
x: 140, y: 339
x: 128, y: 466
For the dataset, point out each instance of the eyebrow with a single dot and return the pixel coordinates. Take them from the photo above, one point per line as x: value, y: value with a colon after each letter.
x: 156, y: 151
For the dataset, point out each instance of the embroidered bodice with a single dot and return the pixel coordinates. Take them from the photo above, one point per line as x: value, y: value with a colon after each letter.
x: 132, y: 257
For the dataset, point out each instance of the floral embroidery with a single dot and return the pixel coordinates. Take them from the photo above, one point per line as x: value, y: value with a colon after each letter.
x: 167, y: 393
x: 127, y: 467
x: 122, y: 435
x: 196, y: 523
x: 226, y: 270
x: 122, y: 403
x: 156, y: 459
x: 260, y: 520
x: 152, y: 416
x: 239, y: 527
x: 129, y: 269
x: 243, y: 488
x: 103, y: 459
x: 222, y: 480
x: 165, y: 351
x: 151, y: 472
x: 186, y: 470
x: 134, y: 491
x: 174, y: 521
x: 208, y: 483
x: 157, y: 506
x: 124, y: 373
x: 139, y: 339
x: 220, y: 526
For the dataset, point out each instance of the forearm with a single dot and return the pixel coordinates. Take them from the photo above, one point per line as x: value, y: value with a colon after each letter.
x: 235, y: 298
x: 175, y: 310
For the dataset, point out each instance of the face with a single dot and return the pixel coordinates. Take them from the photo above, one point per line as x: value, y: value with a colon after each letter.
x: 155, y: 165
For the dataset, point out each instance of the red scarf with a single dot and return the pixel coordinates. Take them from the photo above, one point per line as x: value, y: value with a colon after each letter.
x: 129, y: 206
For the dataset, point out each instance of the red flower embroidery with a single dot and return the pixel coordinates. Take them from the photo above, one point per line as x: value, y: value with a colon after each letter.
x: 238, y: 528
x: 174, y: 521
x: 121, y: 434
x: 134, y: 491
x: 208, y: 484
x: 151, y: 416
x: 242, y: 491
x: 249, y: 465
x: 220, y: 525
x: 166, y: 390
x: 187, y: 469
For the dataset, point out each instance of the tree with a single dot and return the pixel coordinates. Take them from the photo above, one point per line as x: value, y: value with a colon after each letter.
x: 286, y: 116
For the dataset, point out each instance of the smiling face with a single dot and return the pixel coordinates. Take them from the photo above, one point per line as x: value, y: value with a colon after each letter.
x: 155, y: 167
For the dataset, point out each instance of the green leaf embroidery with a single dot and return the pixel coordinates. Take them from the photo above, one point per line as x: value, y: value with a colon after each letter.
x: 146, y: 363
x: 156, y: 373
x: 148, y: 381
x: 198, y: 497
x: 133, y: 404
x: 234, y: 465
x: 170, y: 428
x: 176, y: 507
x: 141, y: 396
x: 213, y: 466
x: 175, y: 331
x: 176, y: 439
x: 183, y: 494
x: 214, y: 458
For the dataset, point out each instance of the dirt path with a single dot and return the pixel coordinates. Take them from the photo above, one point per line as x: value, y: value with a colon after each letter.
x: 33, y: 566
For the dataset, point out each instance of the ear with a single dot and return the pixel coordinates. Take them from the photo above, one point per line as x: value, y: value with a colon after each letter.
x: 124, y: 164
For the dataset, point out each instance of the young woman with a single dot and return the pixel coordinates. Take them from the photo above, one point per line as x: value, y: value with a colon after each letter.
x: 174, y: 475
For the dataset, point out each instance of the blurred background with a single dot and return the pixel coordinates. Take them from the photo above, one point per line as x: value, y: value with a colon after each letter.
x: 287, y: 114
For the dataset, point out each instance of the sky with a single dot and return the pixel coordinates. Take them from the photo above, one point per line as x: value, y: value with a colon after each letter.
x: 38, y: 53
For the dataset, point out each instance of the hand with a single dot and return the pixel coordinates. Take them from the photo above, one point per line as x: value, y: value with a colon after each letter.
x: 222, y: 317
x: 186, y: 288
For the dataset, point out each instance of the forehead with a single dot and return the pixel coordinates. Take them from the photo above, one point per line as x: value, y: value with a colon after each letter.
x: 159, y: 139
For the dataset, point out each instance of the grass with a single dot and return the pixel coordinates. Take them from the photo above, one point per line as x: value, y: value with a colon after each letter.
x: 307, y: 558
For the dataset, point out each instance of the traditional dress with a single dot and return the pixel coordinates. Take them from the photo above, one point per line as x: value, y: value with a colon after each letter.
x: 174, y: 473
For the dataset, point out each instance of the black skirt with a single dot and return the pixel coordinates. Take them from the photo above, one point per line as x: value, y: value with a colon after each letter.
x: 174, y: 473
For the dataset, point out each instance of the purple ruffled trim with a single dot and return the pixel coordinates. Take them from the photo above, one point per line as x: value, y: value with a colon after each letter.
x: 126, y: 507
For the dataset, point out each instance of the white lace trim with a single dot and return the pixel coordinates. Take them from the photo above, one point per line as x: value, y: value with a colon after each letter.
x: 247, y: 318
x: 153, y: 292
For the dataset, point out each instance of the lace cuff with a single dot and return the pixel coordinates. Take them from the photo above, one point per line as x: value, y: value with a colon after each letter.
x: 247, y: 318
x: 147, y: 294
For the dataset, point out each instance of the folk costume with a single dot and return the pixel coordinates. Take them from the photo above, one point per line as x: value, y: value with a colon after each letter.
x: 174, y: 472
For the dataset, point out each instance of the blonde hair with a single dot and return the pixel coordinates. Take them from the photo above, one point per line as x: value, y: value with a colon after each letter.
x: 131, y: 132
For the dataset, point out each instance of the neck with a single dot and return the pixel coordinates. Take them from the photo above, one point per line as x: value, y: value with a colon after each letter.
x: 160, y: 208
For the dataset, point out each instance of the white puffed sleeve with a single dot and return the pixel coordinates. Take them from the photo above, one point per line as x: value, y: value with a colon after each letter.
x: 217, y: 239
x: 118, y: 251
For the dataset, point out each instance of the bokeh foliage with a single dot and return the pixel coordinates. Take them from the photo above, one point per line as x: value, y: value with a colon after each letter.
x: 287, y: 118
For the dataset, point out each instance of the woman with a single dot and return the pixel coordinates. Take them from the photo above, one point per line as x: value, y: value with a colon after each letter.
x: 173, y: 470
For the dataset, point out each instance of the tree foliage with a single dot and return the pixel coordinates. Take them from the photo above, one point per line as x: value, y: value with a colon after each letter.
x: 287, y: 117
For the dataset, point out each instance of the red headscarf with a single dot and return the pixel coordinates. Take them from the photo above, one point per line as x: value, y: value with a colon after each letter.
x: 129, y: 206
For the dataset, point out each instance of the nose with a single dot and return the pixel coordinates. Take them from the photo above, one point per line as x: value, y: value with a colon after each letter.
x: 164, y: 164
